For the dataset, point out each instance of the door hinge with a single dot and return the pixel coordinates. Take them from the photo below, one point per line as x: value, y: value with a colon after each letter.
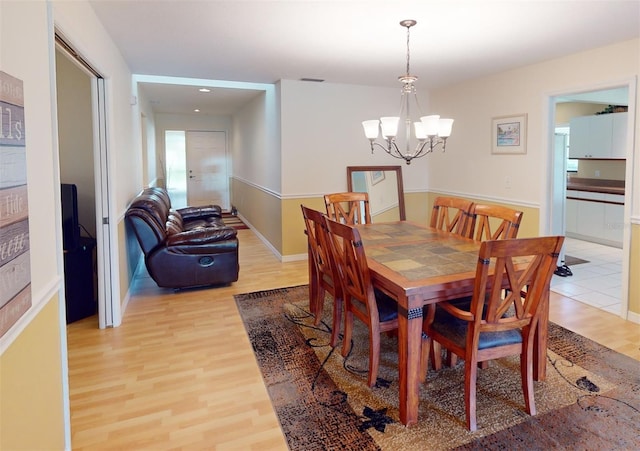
x: 105, y: 221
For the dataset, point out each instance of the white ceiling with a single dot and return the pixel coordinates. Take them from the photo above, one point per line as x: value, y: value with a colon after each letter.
x: 351, y: 41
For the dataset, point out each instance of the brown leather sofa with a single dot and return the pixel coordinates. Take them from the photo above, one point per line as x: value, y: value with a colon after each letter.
x: 183, y: 248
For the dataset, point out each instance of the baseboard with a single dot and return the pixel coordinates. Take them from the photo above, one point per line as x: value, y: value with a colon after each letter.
x: 633, y: 317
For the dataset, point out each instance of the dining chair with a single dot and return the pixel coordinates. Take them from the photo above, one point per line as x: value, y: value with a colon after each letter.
x: 322, y: 271
x: 498, y: 323
x: 452, y: 214
x: 375, y: 309
x: 505, y: 222
x: 348, y: 208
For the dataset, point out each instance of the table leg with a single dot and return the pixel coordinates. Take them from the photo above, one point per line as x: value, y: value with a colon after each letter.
x: 540, y: 342
x: 409, y: 353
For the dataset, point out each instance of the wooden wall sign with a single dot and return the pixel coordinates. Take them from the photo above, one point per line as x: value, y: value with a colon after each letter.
x: 15, y: 263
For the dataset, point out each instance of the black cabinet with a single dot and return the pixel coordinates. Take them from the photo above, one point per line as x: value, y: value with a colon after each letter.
x: 79, y: 280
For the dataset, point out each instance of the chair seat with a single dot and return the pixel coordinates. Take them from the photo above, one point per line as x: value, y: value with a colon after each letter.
x: 387, y: 306
x: 455, y: 329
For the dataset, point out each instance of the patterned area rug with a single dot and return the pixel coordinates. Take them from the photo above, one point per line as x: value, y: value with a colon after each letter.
x: 590, y: 400
x: 233, y: 221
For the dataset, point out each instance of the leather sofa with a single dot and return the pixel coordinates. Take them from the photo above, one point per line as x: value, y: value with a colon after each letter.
x: 183, y: 248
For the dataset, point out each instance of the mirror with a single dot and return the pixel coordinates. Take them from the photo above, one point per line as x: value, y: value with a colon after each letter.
x: 384, y: 185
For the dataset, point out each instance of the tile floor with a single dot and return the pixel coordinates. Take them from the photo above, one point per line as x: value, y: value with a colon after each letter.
x: 597, y: 283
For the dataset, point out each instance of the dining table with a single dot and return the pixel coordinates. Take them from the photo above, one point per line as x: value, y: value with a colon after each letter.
x: 417, y: 266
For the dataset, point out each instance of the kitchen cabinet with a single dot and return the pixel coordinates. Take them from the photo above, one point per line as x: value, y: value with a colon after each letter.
x: 598, y: 136
x: 596, y: 217
x: 619, y: 135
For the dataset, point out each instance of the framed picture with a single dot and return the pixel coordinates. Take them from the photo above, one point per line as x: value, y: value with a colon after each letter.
x: 377, y: 177
x: 509, y: 134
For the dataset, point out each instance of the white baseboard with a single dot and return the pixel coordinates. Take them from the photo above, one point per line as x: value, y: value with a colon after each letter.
x: 633, y: 317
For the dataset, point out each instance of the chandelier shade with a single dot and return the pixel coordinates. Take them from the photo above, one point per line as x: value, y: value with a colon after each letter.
x: 429, y: 131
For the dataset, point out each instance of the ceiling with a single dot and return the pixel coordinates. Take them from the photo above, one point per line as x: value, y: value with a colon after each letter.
x: 348, y: 41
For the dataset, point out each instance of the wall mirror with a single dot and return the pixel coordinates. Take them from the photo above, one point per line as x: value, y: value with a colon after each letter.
x: 384, y: 185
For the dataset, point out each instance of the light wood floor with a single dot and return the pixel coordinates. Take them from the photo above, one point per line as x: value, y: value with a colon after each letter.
x: 179, y: 373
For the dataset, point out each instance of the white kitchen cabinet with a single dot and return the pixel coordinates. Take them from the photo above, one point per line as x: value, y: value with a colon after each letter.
x: 613, y: 222
x: 591, y: 216
x: 571, y: 215
x: 619, y: 136
x: 598, y: 136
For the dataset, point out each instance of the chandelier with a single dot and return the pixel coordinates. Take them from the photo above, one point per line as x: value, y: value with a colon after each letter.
x: 430, y: 132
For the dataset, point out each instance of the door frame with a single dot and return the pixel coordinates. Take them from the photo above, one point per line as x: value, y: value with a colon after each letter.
x: 546, y: 211
x: 109, y: 311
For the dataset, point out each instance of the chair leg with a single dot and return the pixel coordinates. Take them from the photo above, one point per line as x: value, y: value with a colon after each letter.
x: 452, y: 359
x: 374, y: 355
x: 427, y: 344
x: 348, y: 326
x: 337, y: 319
x: 437, y: 355
x: 470, y: 374
x: 319, y: 307
x: 526, y: 373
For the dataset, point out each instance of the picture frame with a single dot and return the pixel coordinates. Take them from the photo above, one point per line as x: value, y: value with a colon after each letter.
x: 377, y: 177
x: 509, y: 134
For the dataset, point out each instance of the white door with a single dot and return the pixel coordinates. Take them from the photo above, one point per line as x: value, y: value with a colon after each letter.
x: 207, y: 175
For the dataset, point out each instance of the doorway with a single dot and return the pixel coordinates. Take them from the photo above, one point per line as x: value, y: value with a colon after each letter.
x: 82, y: 131
x: 197, y: 170
x: 598, y: 268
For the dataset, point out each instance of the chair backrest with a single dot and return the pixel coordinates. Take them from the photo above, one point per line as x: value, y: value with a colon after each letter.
x: 525, y: 293
x: 452, y: 214
x: 506, y: 222
x: 348, y: 208
x: 315, y: 229
x: 351, y: 264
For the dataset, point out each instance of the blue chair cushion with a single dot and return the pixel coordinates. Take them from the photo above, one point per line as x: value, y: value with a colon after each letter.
x: 456, y: 330
x: 387, y: 306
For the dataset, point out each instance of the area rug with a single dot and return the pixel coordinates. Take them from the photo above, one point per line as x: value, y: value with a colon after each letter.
x: 590, y: 400
x: 572, y: 261
x: 233, y: 221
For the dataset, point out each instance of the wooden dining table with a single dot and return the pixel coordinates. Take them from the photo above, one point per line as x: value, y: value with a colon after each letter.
x: 418, y: 266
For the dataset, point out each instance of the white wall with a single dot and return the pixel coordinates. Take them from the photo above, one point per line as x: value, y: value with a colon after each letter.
x: 78, y: 23
x: 256, y: 157
x: 469, y: 168
x: 322, y: 134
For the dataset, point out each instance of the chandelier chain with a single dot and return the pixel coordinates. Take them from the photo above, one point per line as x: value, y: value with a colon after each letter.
x: 408, y: 52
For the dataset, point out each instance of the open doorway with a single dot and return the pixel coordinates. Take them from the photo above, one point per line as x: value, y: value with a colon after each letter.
x: 82, y: 131
x: 588, y: 195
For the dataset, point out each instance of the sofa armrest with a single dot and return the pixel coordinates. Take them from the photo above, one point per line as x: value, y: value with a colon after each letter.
x: 204, y: 212
x: 200, y: 236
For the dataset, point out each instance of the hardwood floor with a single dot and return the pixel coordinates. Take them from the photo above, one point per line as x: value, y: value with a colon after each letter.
x: 179, y: 373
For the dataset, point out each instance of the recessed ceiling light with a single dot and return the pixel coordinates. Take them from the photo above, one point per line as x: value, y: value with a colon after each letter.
x: 204, y: 90
x: 196, y: 110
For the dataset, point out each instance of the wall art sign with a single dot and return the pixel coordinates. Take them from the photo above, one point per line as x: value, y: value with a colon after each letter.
x: 15, y: 263
x: 509, y: 134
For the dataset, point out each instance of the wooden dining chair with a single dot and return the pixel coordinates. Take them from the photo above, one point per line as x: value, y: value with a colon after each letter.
x: 375, y: 309
x: 322, y: 271
x: 494, y: 222
x: 488, y: 222
x: 348, y: 208
x: 498, y: 323
x: 452, y: 214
